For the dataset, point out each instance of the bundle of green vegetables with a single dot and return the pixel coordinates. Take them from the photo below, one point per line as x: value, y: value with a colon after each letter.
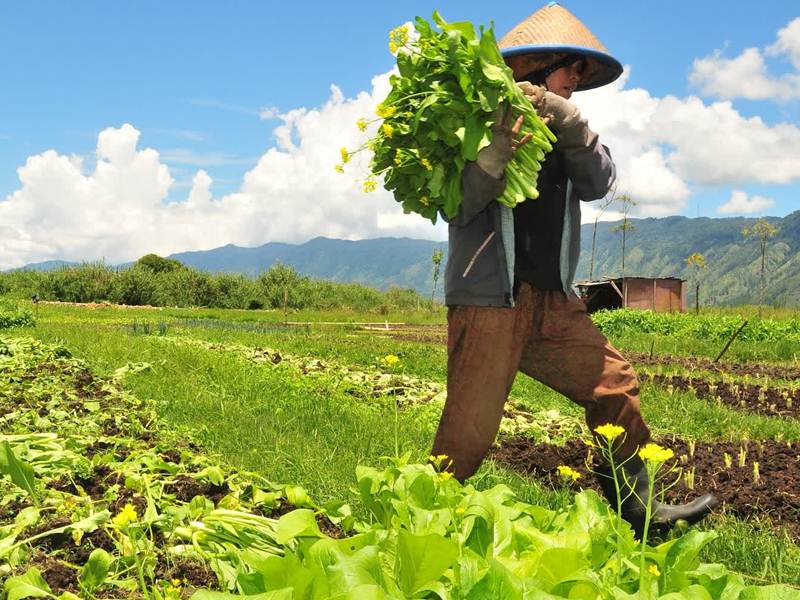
x: 451, y: 87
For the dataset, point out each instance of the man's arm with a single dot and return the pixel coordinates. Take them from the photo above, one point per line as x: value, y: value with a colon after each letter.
x: 588, y: 163
x: 479, y: 189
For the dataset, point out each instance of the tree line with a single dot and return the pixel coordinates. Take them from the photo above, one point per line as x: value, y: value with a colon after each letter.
x: 157, y: 281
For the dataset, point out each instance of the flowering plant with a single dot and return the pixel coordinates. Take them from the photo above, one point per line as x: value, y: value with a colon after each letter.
x: 450, y: 85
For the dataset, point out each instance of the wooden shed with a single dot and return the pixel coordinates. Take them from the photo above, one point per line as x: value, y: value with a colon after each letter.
x: 660, y: 294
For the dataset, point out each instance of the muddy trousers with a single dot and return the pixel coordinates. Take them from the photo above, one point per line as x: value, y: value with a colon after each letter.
x: 547, y: 336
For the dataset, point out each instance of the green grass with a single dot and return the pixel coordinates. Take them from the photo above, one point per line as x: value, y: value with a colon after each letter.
x: 308, y: 431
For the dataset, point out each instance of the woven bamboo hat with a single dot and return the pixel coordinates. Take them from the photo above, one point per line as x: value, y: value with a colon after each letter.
x: 553, y: 33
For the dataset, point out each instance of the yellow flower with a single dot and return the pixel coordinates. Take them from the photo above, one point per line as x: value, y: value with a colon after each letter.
x: 388, y: 130
x: 442, y: 456
x: 424, y: 201
x: 445, y: 475
x: 390, y: 360
x: 345, y: 155
x: 125, y: 516
x: 431, y: 458
x: 339, y: 168
x: 362, y: 124
x: 609, y: 431
x: 370, y: 185
x: 384, y: 112
x: 460, y: 510
x: 398, y: 37
x: 654, y: 570
x: 427, y: 164
x: 568, y: 473
x: 398, y: 160
x: 175, y: 582
x: 655, y: 453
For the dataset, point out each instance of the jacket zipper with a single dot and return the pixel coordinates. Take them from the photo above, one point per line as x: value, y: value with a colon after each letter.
x: 475, y: 256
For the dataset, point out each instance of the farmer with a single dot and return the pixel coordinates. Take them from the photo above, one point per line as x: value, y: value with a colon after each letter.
x: 508, y: 280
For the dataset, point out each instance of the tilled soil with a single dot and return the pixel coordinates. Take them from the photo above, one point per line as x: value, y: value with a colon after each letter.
x: 753, y: 369
x: 775, y: 492
x: 770, y: 401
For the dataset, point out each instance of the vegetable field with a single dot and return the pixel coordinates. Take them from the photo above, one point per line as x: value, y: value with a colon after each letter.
x: 209, y: 454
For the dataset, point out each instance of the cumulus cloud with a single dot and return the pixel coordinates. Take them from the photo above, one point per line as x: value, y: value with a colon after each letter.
x: 118, y: 210
x: 664, y: 148
x: 747, y: 75
x: 739, y: 203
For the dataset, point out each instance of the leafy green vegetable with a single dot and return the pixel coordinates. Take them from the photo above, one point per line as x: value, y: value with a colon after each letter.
x: 451, y: 88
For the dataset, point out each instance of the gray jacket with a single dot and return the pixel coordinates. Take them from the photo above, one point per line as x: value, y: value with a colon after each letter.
x: 480, y: 261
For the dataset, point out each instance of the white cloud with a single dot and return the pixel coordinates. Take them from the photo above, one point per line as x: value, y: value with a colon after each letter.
x: 739, y: 203
x: 747, y: 75
x: 118, y: 210
x: 663, y: 148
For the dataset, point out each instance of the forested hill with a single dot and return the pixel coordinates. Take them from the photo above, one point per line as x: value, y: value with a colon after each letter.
x: 659, y: 247
x: 655, y: 247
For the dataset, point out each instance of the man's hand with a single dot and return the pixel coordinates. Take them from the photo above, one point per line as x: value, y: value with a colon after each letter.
x: 494, y: 158
x: 554, y: 110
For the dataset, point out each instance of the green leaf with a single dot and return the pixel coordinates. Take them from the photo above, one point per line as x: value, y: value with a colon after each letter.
x: 298, y: 523
x: 422, y: 559
x: 94, y: 572
x: 284, y: 594
x: 682, y: 556
x: 498, y: 583
x: 29, y: 585
x: 21, y: 473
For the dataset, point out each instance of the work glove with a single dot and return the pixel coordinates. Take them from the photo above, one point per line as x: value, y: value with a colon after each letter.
x: 494, y: 157
x: 558, y: 113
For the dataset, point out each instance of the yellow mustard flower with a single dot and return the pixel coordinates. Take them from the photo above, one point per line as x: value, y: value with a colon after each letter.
x: 398, y: 160
x: 398, y: 37
x: 609, y: 431
x: 361, y: 124
x: 345, y: 155
x: 445, y: 475
x: 370, y: 185
x: 339, y: 168
x: 424, y: 201
x: 460, y: 510
x: 427, y: 164
x: 654, y: 570
x: 390, y: 360
x: 388, y: 130
x: 568, y: 473
x: 384, y: 112
x: 126, y: 516
x: 655, y: 453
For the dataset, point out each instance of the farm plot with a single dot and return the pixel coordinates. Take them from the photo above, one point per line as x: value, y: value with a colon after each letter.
x: 112, y: 505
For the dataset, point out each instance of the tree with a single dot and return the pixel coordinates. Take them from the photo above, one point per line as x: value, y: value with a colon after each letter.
x: 437, y: 261
x: 627, y: 203
x: 159, y: 264
x: 607, y: 201
x: 697, y: 263
x: 762, y: 230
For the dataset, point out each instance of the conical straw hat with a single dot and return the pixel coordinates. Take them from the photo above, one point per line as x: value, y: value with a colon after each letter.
x: 553, y: 32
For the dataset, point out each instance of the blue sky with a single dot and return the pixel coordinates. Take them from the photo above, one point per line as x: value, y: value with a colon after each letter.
x: 192, y: 77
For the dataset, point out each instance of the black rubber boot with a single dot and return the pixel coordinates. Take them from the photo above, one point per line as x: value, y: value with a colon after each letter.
x: 663, y: 515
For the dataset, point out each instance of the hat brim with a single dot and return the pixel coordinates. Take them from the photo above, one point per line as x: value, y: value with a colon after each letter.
x: 605, y: 67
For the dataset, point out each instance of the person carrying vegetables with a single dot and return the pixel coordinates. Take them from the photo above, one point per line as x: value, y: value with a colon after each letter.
x: 508, y: 280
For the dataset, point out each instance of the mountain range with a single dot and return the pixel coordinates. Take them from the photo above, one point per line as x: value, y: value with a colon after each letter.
x: 655, y: 247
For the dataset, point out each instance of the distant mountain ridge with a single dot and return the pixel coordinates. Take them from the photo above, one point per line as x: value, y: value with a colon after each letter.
x: 655, y: 247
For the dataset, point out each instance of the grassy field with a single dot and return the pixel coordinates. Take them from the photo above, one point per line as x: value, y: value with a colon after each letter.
x: 313, y: 428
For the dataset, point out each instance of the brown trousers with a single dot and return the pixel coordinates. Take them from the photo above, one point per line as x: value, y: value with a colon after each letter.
x: 547, y: 336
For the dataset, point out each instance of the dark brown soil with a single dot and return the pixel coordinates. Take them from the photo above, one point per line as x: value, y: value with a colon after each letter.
x: 195, y: 574
x: 11, y: 510
x: 93, y: 486
x: 185, y: 488
x: 776, y: 494
x: 696, y: 362
x: 58, y: 576
x: 769, y: 401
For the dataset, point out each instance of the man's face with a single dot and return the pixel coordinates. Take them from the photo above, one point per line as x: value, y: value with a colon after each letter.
x: 563, y: 81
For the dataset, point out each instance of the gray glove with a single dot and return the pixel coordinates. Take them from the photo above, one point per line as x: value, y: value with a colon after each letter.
x: 559, y: 113
x: 494, y: 157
